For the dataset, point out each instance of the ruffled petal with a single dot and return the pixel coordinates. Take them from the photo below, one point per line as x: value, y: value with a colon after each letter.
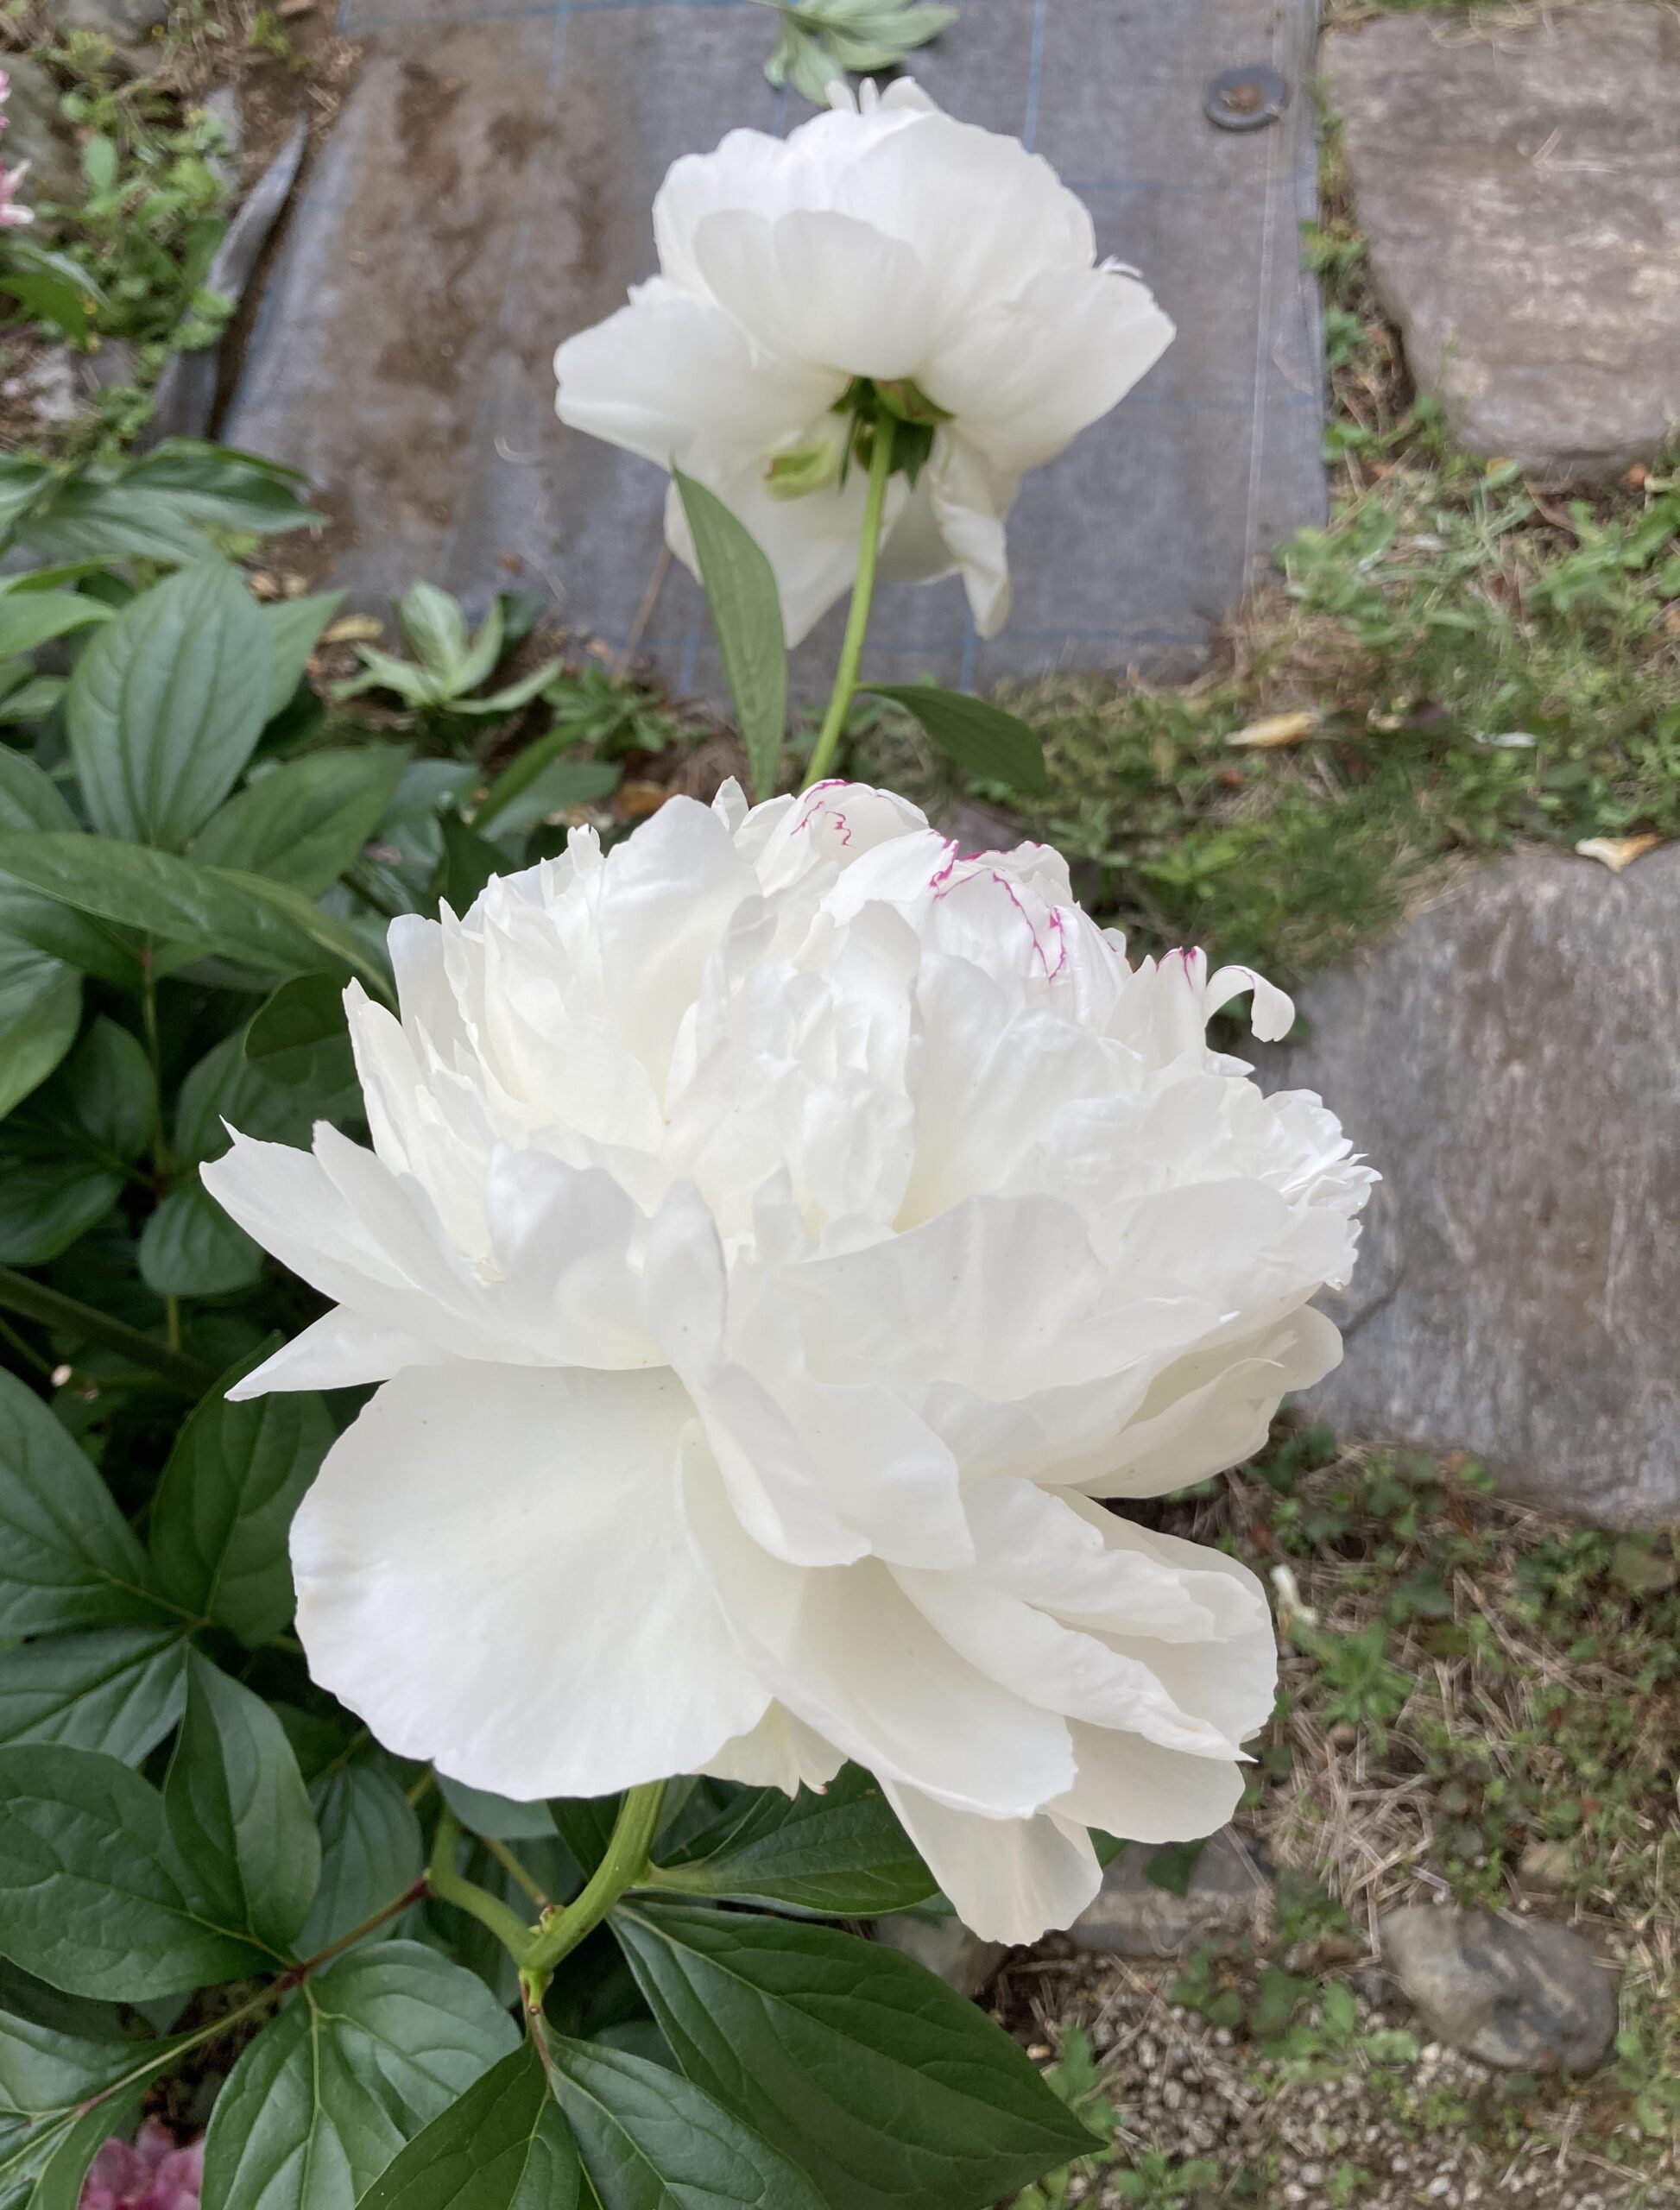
x: 493, y: 1572
x: 1008, y: 1879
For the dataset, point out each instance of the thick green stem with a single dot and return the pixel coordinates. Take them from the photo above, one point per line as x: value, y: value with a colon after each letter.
x: 623, y: 1865
x: 857, y: 621
x: 19, y: 1293
x: 450, y: 1887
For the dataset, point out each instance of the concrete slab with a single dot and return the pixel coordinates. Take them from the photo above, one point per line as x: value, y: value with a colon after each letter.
x: 1519, y: 183
x: 486, y: 191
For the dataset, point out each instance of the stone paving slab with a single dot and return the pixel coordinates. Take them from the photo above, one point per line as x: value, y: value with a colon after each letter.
x: 1509, y: 1062
x: 486, y: 191
x: 1520, y: 188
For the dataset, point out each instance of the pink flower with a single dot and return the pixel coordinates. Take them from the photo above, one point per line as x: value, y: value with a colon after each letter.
x: 151, y: 2174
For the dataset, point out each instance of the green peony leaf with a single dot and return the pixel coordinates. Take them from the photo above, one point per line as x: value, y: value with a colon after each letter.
x: 241, y: 916
x: 189, y: 1247
x: 981, y: 737
x: 746, y: 612
x: 371, y: 1851
x: 364, y: 2056
x: 304, y: 822
x: 651, y: 2140
x: 503, y: 2146
x: 94, y: 1898
x: 884, y: 2084
x: 67, y: 1556
x: 118, y: 1689
x: 46, y: 2078
x: 238, y: 1810
x: 222, y: 1511
x: 41, y: 1009
x: 841, y: 1853
x: 167, y: 702
x: 300, y: 1041
x: 294, y: 626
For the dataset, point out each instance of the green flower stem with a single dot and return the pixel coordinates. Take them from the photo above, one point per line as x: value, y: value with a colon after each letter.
x: 851, y: 649
x: 624, y: 1865
x: 450, y: 1887
x: 52, y: 1309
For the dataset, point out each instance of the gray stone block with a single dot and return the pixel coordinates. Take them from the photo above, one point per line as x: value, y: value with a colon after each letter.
x: 1509, y: 1060
x: 1519, y: 186
x: 1227, y: 1905
x: 1528, y: 1997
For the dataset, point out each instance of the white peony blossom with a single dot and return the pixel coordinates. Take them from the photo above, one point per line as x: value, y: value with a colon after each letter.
x: 779, y: 1232
x: 887, y: 255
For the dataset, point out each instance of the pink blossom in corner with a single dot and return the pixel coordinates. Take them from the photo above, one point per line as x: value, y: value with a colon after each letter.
x: 149, y: 2174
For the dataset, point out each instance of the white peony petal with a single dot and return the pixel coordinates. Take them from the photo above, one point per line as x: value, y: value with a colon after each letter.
x: 781, y: 1752
x: 848, y: 1654
x: 819, y: 287
x: 674, y: 379
x: 493, y: 1573
x: 1024, y: 376
x: 1008, y: 1879
x: 1142, y: 1791
x: 339, y: 1351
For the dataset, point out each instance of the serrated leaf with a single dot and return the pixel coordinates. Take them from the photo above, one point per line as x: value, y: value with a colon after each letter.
x: 167, y: 703
x: 190, y: 1247
x: 371, y: 1850
x: 93, y: 1896
x: 306, y: 821
x: 239, y: 1812
x: 651, y: 2140
x: 503, y: 2146
x: 67, y: 1556
x: 243, y: 917
x: 364, y: 2056
x: 223, y: 1510
x: 878, y: 2080
x: 118, y: 1690
x: 841, y: 1853
x: 980, y: 736
x: 41, y: 1009
x: 746, y: 612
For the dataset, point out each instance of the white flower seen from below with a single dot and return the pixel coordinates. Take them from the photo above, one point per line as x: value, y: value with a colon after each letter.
x: 780, y: 1233
x: 888, y: 265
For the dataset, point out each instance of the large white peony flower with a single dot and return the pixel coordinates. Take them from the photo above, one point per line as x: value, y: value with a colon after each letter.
x: 778, y: 1232
x: 892, y: 256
